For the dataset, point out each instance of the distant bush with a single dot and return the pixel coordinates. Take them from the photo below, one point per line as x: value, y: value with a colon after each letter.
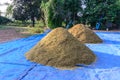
x: 36, y: 30
x: 4, y: 20
x: 19, y: 23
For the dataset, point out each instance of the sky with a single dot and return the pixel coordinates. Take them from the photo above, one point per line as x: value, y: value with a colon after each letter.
x: 2, y: 6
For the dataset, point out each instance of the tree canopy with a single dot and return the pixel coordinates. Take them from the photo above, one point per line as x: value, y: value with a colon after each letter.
x: 56, y: 13
x: 100, y: 10
x: 9, y: 11
x: 26, y: 9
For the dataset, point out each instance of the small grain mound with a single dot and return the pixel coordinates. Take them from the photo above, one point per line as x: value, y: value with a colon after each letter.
x: 60, y: 49
x: 84, y: 34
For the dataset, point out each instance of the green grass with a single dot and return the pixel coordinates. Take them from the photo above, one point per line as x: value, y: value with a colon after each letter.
x: 35, y: 30
x: 2, y: 27
x: 28, y: 31
x: 25, y: 31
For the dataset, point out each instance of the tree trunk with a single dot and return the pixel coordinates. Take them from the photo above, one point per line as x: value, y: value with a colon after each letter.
x: 33, y: 22
x: 43, y: 20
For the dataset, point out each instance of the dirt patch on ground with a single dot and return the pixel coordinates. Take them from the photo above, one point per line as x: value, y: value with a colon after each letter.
x: 60, y: 49
x: 9, y: 34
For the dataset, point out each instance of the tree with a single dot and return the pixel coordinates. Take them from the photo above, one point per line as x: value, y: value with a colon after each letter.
x: 57, y: 12
x: 19, y: 13
x: 9, y: 11
x: 26, y: 9
x: 53, y: 12
x: 4, y: 20
x: 117, y: 18
x: 100, y: 10
x: 71, y: 8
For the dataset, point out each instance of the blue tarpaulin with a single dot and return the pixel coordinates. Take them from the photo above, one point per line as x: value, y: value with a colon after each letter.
x: 14, y: 66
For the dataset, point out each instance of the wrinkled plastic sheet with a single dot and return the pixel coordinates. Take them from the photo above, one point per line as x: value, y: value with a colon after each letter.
x: 14, y: 66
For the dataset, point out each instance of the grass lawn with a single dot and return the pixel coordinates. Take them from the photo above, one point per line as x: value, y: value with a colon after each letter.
x: 25, y: 31
x: 2, y: 27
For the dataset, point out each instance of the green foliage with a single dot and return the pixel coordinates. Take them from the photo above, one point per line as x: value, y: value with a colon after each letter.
x: 9, y: 11
x: 26, y: 9
x: 19, y: 23
x: 53, y: 13
x: 100, y: 11
x: 4, y: 20
x: 2, y: 27
x: 71, y: 8
x: 57, y: 12
x: 36, y: 30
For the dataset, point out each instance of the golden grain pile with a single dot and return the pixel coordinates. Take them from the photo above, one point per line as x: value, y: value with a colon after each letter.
x: 84, y: 34
x: 60, y: 49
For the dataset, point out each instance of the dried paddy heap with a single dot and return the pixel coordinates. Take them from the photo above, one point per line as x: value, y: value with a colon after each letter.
x: 84, y: 34
x: 60, y: 49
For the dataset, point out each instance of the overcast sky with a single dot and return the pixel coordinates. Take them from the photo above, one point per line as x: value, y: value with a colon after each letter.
x: 2, y: 6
